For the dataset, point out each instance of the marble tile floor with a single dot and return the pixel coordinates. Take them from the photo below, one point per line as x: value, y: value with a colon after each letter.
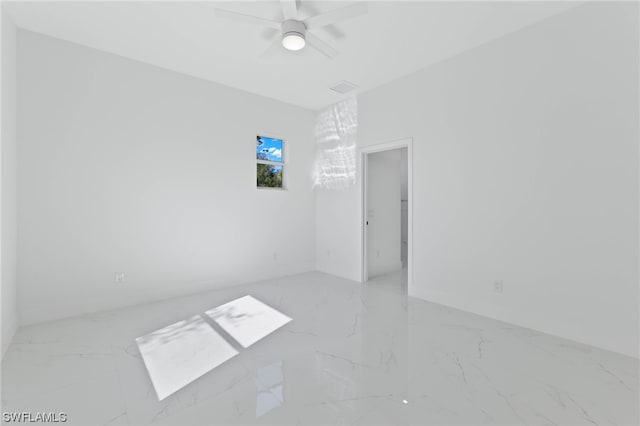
x: 352, y: 355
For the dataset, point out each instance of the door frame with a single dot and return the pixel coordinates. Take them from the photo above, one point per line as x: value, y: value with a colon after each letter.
x: 363, y: 159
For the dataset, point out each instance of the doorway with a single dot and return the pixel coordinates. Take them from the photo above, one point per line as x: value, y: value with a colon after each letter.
x: 387, y: 222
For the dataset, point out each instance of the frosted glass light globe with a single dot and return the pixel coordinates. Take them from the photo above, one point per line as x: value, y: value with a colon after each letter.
x: 293, y: 41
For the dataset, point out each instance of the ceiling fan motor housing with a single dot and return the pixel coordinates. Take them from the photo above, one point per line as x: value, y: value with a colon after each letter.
x: 293, y: 27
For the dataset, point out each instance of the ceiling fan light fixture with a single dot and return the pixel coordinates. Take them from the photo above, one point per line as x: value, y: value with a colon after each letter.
x: 293, y: 41
x: 293, y: 34
x: 294, y: 31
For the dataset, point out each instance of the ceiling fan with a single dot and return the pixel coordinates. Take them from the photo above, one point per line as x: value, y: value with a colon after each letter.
x: 295, y: 33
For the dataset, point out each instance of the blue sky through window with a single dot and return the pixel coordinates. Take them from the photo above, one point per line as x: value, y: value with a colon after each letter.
x: 268, y: 149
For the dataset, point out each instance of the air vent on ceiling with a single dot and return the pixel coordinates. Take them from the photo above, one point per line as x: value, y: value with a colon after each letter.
x: 343, y: 87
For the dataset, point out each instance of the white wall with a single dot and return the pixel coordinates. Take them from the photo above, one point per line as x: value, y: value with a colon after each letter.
x: 9, y: 175
x: 125, y: 167
x: 383, y: 212
x: 337, y: 232
x: 525, y: 170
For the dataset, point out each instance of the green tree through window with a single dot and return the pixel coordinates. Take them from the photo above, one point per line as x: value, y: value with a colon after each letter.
x: 270, y: 165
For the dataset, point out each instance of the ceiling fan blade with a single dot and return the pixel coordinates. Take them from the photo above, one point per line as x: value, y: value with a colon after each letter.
x: 311, y: 10
x: 336, y: 15
x: 320, y: 45
x: 273, y: 48
x: 269, y: 33
x: 289, y: 9
x: 227, y: 14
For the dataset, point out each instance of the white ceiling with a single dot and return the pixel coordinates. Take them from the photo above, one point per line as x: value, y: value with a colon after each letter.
x: 394, y: 39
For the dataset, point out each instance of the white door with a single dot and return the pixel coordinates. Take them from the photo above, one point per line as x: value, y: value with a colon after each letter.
x: 383, y: 224
x: 404, y: 231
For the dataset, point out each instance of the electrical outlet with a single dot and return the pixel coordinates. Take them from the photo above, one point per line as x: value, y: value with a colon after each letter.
x: 119, y: 277
x: 498, y: 286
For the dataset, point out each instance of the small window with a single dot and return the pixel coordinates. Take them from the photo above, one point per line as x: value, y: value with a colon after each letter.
x: 270, y: 163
